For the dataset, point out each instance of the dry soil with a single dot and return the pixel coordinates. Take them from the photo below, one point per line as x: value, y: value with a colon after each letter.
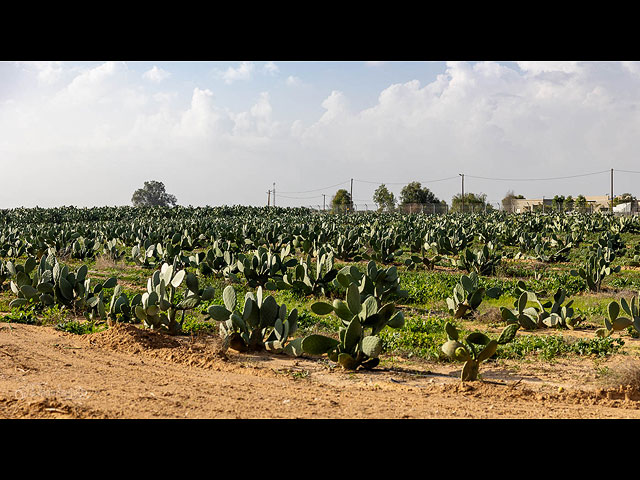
x: 129, y: 373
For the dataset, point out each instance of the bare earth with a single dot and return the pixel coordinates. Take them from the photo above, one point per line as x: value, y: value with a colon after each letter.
x: 128, y: 373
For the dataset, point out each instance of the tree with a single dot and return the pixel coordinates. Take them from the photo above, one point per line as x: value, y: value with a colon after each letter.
x: 508, y: 202
x: 153, y: 194
x: 384, y: 198
x: 415, y: 193
x: 558, y: 202
x: 472, y: 202
x: 341, y: 200
x: 569, y: 203
x: 624, y: 198
x: 581, y: 204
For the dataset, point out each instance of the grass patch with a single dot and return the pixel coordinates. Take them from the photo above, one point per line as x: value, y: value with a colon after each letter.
x: 79, y: 327
x: 421, y: 337
x: 552, y: 346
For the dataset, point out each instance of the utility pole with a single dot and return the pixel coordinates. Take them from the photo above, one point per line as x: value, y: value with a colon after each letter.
x: 268, y: 198
x: 274, y: 194
x: 462, y: 175
x: 324, y: 197
x: 611, y: 202
x: 351, y: 195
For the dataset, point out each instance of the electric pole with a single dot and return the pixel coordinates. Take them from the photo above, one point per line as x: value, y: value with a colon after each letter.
x: 351, y: 195
x: 611, y: 202
x: 323, y: 201
x: 268, y: 198
x: 274, y: 194
x: 462, y: 175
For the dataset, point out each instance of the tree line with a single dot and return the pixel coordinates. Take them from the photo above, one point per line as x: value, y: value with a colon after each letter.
x: 153, y: 193
x: 413, y: 194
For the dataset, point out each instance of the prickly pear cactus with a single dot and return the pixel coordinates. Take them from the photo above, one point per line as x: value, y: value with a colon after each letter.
x: 262, y: 324
x: 474, y: 349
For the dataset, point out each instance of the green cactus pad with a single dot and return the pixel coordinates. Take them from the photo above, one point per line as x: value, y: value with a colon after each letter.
x: 318, y: 344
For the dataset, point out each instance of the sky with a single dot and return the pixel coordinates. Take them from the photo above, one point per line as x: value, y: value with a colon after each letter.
x: 224, y: 133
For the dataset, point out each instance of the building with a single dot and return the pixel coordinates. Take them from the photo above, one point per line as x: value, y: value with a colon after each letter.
x: 595, y: 203
x: 627, y: 207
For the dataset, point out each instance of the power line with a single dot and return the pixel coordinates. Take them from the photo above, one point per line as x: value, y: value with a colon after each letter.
x: 539, y: 179
x: 299, y: 198
x: 404, y: 183
x: 319, y: 189
x: 436, y: 180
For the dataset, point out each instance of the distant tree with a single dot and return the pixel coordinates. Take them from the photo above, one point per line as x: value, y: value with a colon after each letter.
x: 508, y: 202
x: 414, y: 192
x: 569, y: 203
x: 624, y: 198
x: 581, y: 204
x: 558, y: 202
x: 472, y: 202
x: 384, y: 198
x: 341, y: 200
x: 153, y: 194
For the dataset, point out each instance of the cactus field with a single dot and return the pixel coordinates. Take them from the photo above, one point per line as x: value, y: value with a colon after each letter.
x: 258, y: 312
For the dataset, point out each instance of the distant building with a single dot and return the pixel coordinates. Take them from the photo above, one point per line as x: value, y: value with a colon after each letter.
x: 627, y: 207
x: 521, y: 205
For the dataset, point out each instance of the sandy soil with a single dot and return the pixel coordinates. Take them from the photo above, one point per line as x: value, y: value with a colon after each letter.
x: 129, y: 373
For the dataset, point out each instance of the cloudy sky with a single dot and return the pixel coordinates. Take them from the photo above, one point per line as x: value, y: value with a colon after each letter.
x: 216, y: 133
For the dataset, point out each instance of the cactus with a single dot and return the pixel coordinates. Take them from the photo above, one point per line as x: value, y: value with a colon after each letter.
x: 598, y: 267
x: 635, y: 256
x: 83, y: 248
x: 467, y: 296
x: 151, y: 254
x: 264, y: 265
x: 615, y: 322
x: 4, y: 273
x: 526, y: 317
x: 218, y: 261
x: 49, y: 282
x: 261, y: 325
x: 362, y: 320
x: 482, y: 262
x: 419, y: 256
x: 158, y: 307
x: 385, y: 247
x: 381, y: 283
x: 467, y: 350
x: 347, y: 247
x: 304, y: 280
x: 450, y: 242
x: 111, y: 250
x: 559, y: 255
x: 121, y: 309
x: 559, y: 314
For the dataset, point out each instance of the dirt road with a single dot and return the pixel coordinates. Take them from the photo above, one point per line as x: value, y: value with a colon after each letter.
x: 129, y: 373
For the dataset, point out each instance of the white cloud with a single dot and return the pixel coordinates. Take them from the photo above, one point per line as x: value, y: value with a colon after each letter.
x: 551, y: 66
x: 258, y: 121
x: 201, y: 118
x: 156, y: 74
x: 93, y: 85
x: 293, y: 81
x: 336, y: 106
x: 486, y: 119
x: 482, y: 119
x: 47, y: 72
x: 243, y: 72
x: 271, y: 68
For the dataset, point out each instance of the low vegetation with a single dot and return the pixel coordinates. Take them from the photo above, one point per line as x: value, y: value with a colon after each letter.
x: 354, y: 288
